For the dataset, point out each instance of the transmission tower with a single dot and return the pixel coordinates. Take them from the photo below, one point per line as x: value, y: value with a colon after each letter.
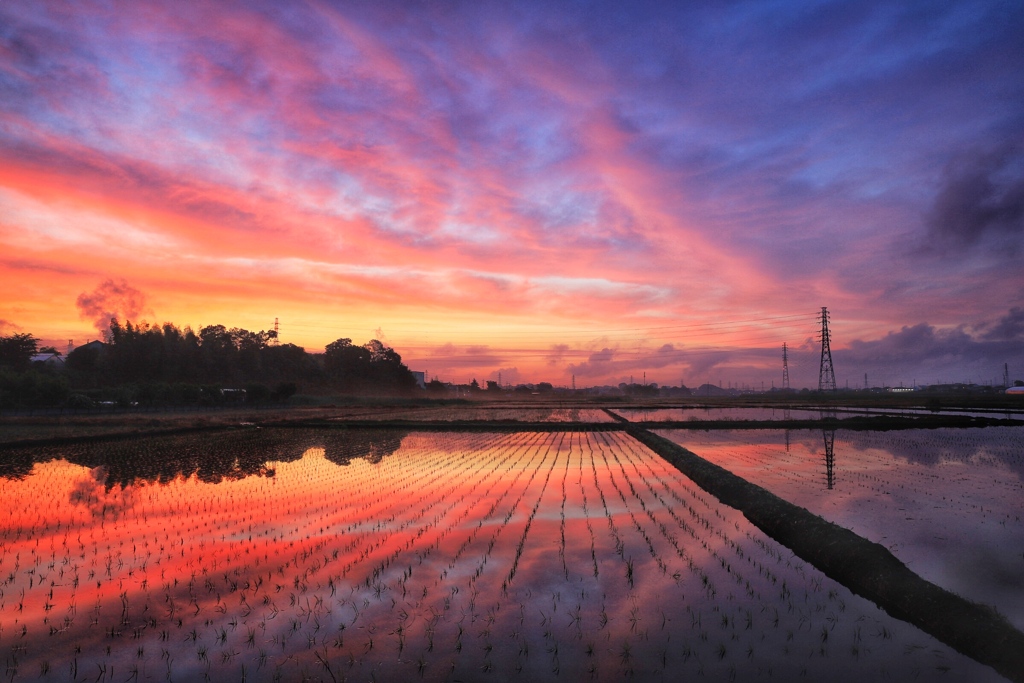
x: 277, y: 330
x: 829, y: 436
x: 785, y: 367
x: 1006, y: 375
x: 826, y: 375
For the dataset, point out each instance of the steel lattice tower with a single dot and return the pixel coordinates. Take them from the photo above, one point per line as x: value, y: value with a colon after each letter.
x: 785, y: 367
x: 826, y: 374
x: 829, y: 436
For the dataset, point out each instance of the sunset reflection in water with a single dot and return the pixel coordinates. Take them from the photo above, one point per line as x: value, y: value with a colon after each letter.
x: 375, y: 553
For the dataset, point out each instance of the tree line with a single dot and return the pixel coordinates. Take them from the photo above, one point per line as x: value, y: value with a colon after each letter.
x: 168, y: 365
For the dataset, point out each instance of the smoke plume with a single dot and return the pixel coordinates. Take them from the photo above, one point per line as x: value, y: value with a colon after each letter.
x: 111, y: 300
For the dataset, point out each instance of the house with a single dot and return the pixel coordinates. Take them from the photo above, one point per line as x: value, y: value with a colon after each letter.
x: 52, y: 360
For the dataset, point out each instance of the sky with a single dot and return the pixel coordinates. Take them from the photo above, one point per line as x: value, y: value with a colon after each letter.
x: 594, y: 192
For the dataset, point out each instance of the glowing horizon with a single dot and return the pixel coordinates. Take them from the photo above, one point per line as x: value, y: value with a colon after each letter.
x: 542, y: 192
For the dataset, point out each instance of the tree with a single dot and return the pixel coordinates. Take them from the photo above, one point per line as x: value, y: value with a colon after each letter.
x: 380, y: 353
x: 387, y: 372
x: 84, y: 360
x: 288, y: 363
x: 346, y: 365
x: 373, y: 367
x: 16, y: 350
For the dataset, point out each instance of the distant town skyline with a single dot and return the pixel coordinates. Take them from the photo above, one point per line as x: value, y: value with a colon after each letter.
x: 540, y: 190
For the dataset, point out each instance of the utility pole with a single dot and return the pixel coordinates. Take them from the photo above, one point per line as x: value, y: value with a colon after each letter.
x: 826, y: 374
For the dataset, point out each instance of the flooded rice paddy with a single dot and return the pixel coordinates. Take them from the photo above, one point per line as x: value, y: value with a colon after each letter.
x: 384, y: 555
x: 946, y: 502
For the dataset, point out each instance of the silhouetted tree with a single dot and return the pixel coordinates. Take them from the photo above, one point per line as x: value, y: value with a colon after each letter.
x: 346, y: 364
x: 371, y: 367
x: 16, y: 350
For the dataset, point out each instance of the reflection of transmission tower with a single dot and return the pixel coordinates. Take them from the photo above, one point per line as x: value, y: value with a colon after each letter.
x: 829, y: 435
x: 785, y: 367
x: 826, y: 375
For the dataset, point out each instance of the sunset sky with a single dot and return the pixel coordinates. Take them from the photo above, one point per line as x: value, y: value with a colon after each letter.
x: 541, y: 189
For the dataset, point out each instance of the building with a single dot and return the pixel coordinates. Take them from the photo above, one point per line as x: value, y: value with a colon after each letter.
x: 52, y: 360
